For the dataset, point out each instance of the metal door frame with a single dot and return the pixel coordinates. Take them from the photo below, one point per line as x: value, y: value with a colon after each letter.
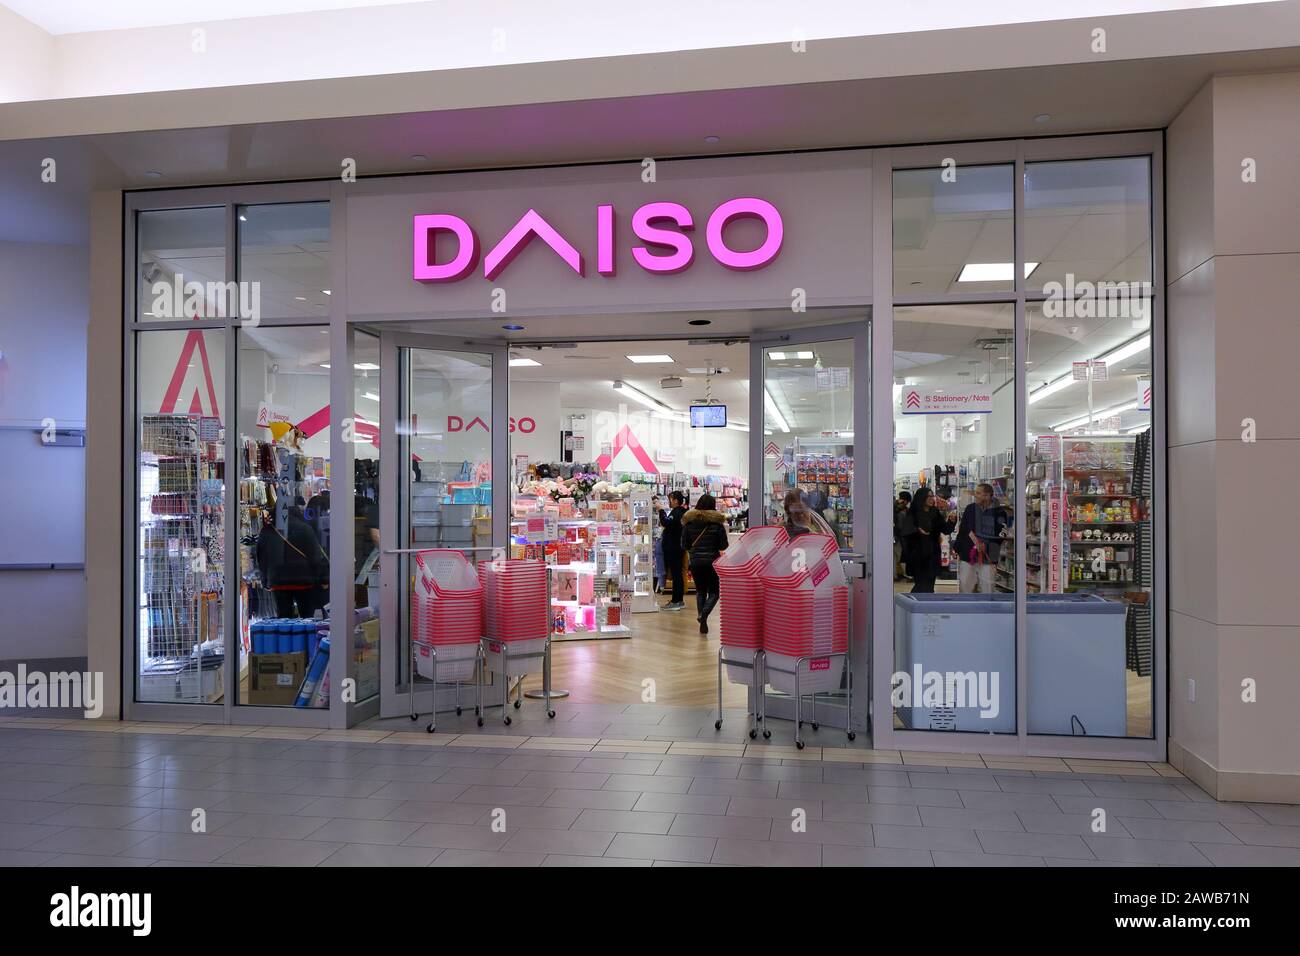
x: 394, y: 698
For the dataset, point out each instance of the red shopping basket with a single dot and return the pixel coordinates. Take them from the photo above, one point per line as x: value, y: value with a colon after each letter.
x: 741, y: 587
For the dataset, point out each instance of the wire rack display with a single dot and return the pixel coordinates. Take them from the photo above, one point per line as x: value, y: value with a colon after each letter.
x: 181, y: 549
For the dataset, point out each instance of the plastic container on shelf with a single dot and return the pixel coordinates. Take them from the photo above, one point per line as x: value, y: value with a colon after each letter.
x: 805, y: 614
x: 741, y: 596
x: 446, y: 615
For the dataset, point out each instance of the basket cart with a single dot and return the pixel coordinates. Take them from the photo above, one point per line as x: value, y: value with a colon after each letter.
x: 516, y: 628
x: 741, y: 610
x: 446, y: 623
x: 806, y: 627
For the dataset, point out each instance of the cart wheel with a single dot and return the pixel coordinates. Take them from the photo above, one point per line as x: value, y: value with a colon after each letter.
x: 852, y: 735
x: 507, y: 720
x: 717, y: 725
x: 799, y: 744
x: 518, y: 704
x: 431, y: 728
x: 550, y: 713
x: 480, y: 721
x: 458, y: 710
x: 415, y: 717
x: 815, y: 725
x: 767, y: 735
x: 752, y: 733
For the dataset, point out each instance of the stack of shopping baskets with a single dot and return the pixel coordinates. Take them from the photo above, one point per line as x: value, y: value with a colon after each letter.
x: 785, y: 620
x: 516, y: 622
x: 446, y: 616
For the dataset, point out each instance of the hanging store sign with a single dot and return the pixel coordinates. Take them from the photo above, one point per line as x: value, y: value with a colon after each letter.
x: 921, y: 400
x: 664, y: 228
x: 1095, y: 367
x: 1053, y: 549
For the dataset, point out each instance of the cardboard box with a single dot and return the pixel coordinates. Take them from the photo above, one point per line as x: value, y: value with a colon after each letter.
x: 274, y: 679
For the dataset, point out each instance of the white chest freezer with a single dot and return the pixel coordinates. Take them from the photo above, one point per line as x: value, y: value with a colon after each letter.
x: 1077, y: 684
x: 955, y: 662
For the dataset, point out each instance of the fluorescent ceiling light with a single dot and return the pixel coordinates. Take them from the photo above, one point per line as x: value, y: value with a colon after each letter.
x: 371, y: 395
x: 366, y: 367
x: 651, y: 359
x: 773, y: 412
x: 326, y: 291
x: 523, y: 363
x: 738, y: 426
x: 992, y: 271
x: 324, y: 365
x: 716, y: 370
x: 776, y: 356
x: 629, y: 391
x: 1138, y: 428
x: 1095, y: 417
x: 1113, y: 357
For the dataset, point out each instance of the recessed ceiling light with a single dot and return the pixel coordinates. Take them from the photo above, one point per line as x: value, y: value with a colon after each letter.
x: 243, y: 218
x: 992, y: 271
x: 419, y: 157
x: 300, y: 298
x: 153, y: 174
x: 712, y: 139
x: 776, y: 356
x: 324, y: 365
x: 1042, y: 117
x: 522, y: 363
x: 513, y: 328
x: 804, y: 355
x: 651, y: 359
x: 700, y: 322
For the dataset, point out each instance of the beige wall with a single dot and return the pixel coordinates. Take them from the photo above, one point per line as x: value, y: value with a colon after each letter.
x: 1234, y: 259
x: 104, y: 448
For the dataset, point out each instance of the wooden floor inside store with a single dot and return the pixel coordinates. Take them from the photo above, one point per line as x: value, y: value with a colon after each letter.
x: 665, y: 647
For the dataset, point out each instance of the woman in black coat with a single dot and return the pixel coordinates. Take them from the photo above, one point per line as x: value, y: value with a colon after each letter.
x: 704, y: 534
x: 923, y: 527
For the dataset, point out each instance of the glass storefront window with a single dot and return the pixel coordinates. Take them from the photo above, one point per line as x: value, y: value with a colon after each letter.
x: 1088, y: 221
x: 1089, y: 491
x: 954, y: 524
x: 284, y: 513
x: 181, y: 265
x: 284, y: 253
x: 180, y: 508
x: 953, y: 230
x: 366, y: 373
x: 808, y: 403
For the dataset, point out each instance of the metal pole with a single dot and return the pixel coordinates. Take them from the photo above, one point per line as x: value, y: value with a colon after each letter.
x: 547, y: 692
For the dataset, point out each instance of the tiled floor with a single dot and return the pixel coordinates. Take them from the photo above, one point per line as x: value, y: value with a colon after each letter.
x: 625, y: 786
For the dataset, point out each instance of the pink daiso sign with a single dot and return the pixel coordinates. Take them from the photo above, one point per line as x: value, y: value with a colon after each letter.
x: 664, y: 229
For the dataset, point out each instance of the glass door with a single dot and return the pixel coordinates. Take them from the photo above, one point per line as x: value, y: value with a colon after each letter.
x: 810, y: 466
x: 445, y: 433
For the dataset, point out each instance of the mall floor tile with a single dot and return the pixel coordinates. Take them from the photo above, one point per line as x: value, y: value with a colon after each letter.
x: 592, y: 789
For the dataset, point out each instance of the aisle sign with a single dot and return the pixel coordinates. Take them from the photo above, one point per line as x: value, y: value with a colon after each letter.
x: 1144, y: 395
x: 713, y: 460
x: 1099, y: 371
x: 772, y: 450
x: 925, y: 400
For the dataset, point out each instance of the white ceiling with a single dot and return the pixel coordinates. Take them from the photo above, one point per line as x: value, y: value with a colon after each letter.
x: 84, y: 16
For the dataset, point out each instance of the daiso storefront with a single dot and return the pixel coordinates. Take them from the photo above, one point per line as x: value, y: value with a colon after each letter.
x: 408, y: 364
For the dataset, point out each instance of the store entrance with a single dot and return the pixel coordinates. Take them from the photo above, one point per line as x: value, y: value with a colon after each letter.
x: 601, y: 458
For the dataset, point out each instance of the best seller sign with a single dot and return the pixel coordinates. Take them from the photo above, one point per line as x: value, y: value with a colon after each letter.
x: 926, y: 400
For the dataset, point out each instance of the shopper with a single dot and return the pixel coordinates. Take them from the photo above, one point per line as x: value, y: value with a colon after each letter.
x: 901, y: 504
x: 704, y: 535
x: 798, y: 519
x: 671, y: 522
x: 978, y: 541
x: 656, y: 504
x: 294, y: 566
x: 923, y: 529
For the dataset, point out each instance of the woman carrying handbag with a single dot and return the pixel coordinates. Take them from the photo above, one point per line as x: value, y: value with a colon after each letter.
x: 704, y: 534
